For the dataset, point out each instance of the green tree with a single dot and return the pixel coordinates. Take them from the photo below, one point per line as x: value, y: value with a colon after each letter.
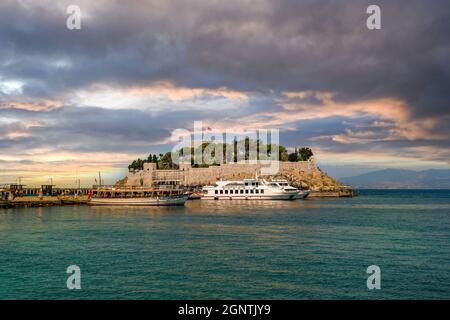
x: 140, y: 164
x: 239, y: 150
x: 247, y: 148
x: 293, y: 157
x: 283, y: 154
x: 132, y: 166
x: 305, y: 154
x: 165, y: 162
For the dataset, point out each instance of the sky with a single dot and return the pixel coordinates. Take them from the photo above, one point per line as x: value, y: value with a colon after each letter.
x: 75, y: 102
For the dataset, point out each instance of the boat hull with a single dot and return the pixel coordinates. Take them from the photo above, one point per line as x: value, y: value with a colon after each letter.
x: 161, y: 201
x: 284, y: 196
x: 302, y: 195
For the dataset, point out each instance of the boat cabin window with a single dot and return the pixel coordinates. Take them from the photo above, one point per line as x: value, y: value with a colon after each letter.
x: 252, y: 191
x: 257, y: 190
x: 242, y: 191
x: 216, y: 191
x: 226, y: 191
x: 221, y: 191
x: 262, y: 190
x: 246, y: 191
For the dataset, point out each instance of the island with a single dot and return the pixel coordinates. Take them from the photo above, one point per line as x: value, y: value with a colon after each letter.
x: 298, y: 167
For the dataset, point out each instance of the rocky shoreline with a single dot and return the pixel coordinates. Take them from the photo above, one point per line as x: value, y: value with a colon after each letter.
x: 320, y: 184
x: 349, y: 193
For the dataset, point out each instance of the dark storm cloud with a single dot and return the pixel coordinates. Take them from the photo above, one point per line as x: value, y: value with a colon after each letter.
x: 344, y: 136
x: 91, y: 129
x: 263, y: 48
x: 245, y: 45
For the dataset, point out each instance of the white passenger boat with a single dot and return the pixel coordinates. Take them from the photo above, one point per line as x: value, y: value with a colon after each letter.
x: 253, y: 189
x: 138, y: 197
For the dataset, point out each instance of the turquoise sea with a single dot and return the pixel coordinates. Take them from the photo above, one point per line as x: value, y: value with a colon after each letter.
x: 313, y: 249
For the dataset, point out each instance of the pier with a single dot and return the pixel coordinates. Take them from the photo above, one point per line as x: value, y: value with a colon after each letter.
x: 46, y: 190
x: 30, y: 201
x: 16, y: 195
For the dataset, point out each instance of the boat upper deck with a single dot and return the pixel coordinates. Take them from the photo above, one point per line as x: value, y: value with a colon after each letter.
x: 137, y: 192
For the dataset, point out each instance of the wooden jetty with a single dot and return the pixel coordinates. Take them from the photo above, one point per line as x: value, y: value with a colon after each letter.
x: 13, y: 196
x: 43, y: 201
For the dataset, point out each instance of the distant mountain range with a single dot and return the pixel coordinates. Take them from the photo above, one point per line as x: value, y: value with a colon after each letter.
x: 401, y: 179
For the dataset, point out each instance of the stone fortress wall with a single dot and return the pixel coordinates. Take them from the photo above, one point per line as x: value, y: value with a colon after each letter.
x: 202, y: 176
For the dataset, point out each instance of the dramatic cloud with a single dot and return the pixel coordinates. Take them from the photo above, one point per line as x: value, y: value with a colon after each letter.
x: 139, y: 70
